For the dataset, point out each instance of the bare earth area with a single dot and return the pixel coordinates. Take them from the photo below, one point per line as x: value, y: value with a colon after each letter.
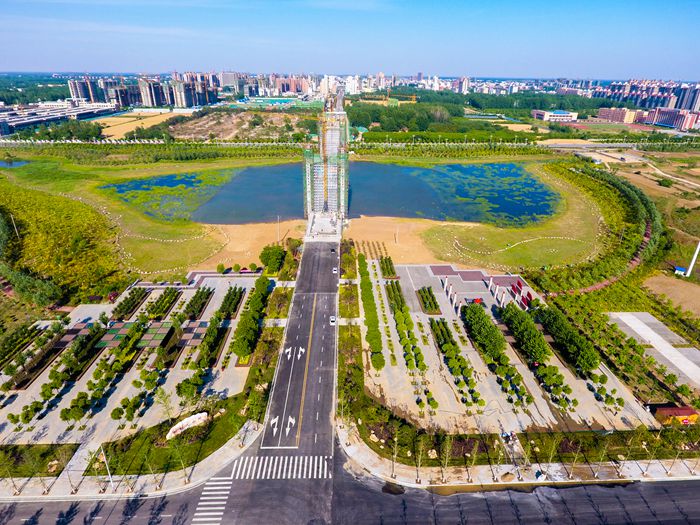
x: 402, y: 237
x: 520, y: 127
x: 244, y: 242
x: 682, y: 293
x: 238, y: 126
x: 118, y: 126
x: 565, y: 141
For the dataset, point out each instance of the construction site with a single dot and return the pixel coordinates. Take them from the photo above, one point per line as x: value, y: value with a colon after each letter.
x: 326, y: 173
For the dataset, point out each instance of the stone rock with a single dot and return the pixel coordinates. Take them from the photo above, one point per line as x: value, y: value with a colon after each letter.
x: 432, y: 453
x: 373, y: 437
x: 508, y: 476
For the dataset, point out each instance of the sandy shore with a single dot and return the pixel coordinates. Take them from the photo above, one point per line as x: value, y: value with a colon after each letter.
x: 244, y: 242
x: 401, y: 236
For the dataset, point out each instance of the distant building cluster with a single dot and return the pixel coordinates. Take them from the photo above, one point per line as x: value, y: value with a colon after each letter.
x: 14, y: 118
x: 652, y: 94
x: 680, y: 119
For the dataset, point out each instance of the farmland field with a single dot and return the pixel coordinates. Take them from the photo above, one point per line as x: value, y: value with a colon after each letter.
x: 119, y: 125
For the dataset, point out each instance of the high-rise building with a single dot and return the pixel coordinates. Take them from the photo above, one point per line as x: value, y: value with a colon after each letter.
x: 680, y: 119
x: 78, y: 89
x: 151, y: 92
x: 184, y: 94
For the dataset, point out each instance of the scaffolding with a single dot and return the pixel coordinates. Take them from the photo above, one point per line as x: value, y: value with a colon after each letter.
x: 326, y: 171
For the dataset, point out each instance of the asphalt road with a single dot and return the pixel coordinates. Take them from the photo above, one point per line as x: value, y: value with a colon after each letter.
x: 357, y: 499
x: 299, y: 417
x: 300, y: 476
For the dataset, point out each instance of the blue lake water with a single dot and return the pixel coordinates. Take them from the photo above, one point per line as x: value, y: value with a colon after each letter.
x: 499, y: 193
x: 13, y: 164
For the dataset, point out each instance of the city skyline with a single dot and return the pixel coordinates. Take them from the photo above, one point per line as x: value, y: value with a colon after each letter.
x: 505, y: 39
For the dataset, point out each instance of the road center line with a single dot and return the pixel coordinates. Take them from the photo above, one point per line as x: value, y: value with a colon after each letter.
x: 306, y: 371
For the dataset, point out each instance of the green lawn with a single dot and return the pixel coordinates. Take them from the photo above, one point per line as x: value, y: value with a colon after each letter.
x: 279, y: 302
x: 24, y: 461
x: 348, y: 301
x: 566, y: 238
x: 148, y: 449
x: 146, y: 244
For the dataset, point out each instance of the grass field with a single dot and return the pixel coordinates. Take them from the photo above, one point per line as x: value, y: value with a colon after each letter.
x: 117, y: 126
x: 148, y: 246
x: 570, y: 236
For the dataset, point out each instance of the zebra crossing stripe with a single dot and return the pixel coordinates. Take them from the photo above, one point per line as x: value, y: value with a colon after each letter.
x: 273, y: 467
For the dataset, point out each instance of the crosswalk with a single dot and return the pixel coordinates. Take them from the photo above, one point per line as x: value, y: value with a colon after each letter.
x: 282, y: 467
x: 212, y: 503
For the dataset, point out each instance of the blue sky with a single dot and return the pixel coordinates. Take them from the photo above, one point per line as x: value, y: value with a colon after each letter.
x: 571, y: 38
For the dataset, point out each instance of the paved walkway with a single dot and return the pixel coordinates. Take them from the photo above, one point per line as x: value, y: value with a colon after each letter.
x: 70, y: 485
x: 362, y: 458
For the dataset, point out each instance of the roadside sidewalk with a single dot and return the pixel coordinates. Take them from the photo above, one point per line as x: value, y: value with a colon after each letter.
x: 71, y: 486
x: 363, y: 458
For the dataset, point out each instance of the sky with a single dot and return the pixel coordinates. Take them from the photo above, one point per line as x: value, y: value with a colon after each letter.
x: 613, y: 39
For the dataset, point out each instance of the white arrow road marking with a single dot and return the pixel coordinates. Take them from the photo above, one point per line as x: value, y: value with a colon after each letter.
x: 290, y: 423
x: 301, y: 352
x: 288, y: 351
x: 273, y: 423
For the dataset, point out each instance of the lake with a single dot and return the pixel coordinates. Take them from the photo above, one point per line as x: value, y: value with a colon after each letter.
x: 499, y: 193
x: 496, y: 193
x: 13, y: 164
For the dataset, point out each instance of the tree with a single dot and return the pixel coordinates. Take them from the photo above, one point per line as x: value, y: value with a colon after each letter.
x: 6, y: 464
x: 272, y: 257
x: 220, y: 268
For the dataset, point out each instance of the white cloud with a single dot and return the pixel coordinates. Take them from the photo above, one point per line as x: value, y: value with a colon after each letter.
x: 29, y: 23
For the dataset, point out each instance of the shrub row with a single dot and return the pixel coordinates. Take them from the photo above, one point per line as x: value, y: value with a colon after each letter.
x: 428, y: 301
x: 128, y: 306
x: 387, y: 267
x: 373, y: 337
x: 161, y: 306
x: 578, y: 350
x: 199, y: 300
x: 459, y: 367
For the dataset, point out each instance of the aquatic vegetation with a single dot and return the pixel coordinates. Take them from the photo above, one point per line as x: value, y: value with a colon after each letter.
x: 170, y: 197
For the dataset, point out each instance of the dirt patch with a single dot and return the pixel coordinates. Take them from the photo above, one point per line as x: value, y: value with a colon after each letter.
x: 242, y: 243
x: 243, y: 125
x: 521, y: 127
x: 681, y: 292
x: 565, y: 141
x: 402, y: 237
x: 647, y: 180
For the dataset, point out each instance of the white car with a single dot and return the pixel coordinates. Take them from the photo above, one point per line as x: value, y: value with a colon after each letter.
x: 332, y: 320
x: 335, y: 270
